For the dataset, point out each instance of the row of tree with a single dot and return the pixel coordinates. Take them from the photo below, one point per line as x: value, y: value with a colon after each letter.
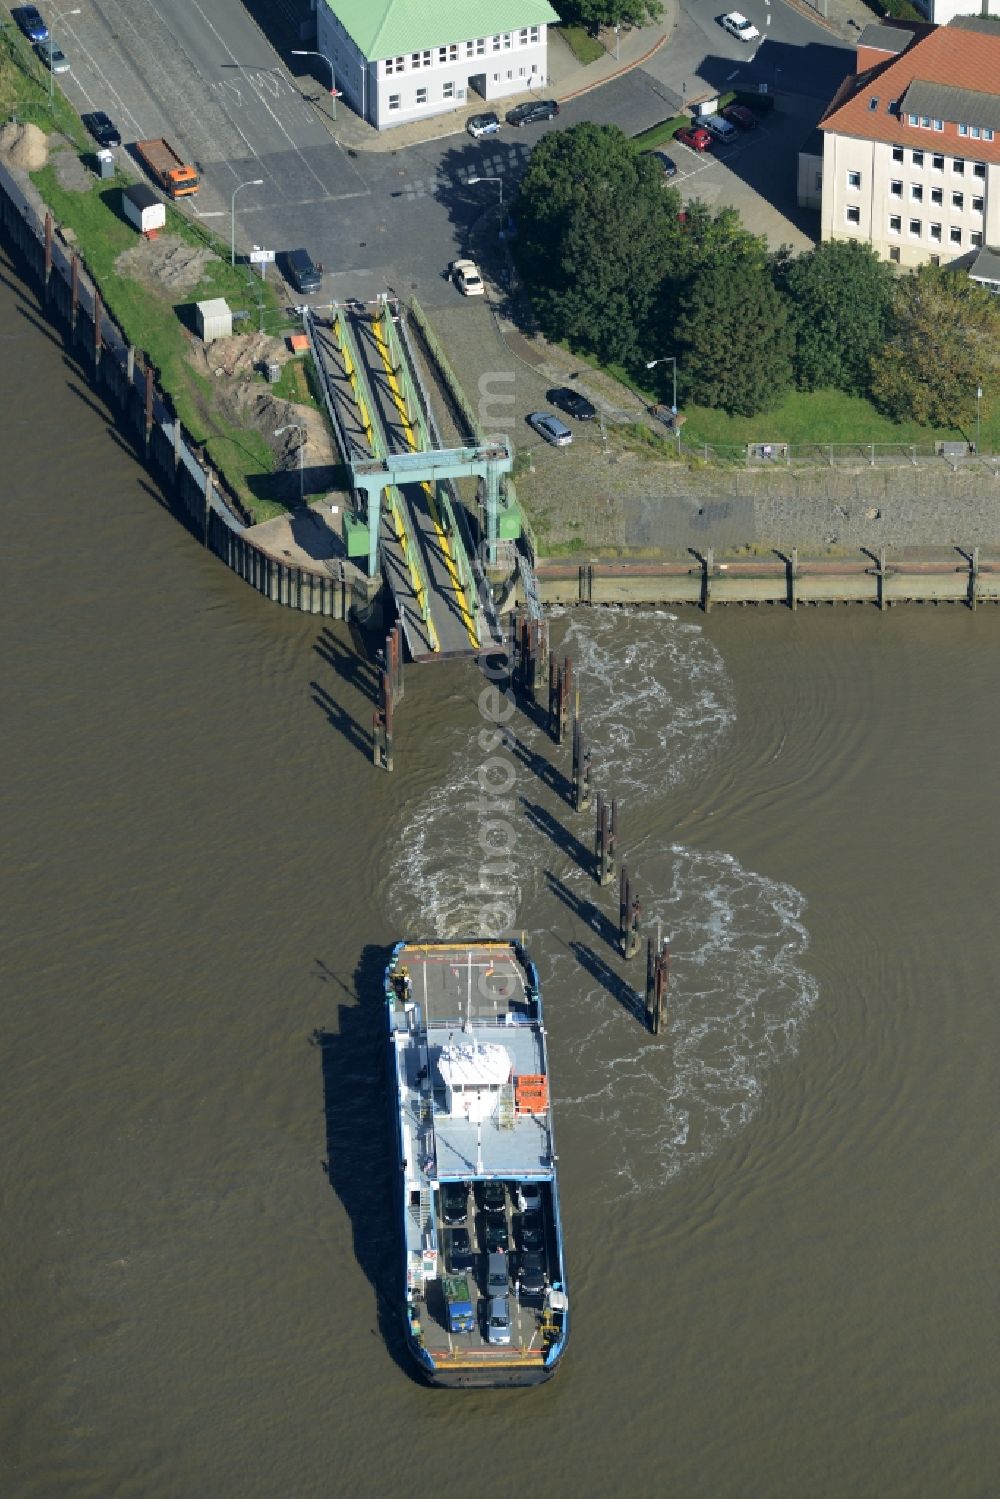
x: 616, y: 266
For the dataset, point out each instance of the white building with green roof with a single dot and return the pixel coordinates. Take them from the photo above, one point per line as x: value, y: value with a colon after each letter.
x: 396, y: 61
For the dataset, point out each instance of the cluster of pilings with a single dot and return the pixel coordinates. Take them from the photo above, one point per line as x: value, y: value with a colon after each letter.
x: 529, y: 641
x: 390, y: 693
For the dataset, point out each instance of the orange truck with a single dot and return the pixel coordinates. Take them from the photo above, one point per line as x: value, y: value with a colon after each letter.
x: 176, y: 177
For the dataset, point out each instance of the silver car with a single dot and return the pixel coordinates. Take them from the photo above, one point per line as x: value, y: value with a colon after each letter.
x: 551, y: 428
x: 498, y: 1320
x: 55, y: 60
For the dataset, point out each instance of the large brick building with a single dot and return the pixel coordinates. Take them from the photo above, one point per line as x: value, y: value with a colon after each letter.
x: 911, y: 144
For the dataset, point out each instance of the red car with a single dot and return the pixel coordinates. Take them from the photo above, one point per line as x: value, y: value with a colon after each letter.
x: 693, y: 136
x: 740, y: 116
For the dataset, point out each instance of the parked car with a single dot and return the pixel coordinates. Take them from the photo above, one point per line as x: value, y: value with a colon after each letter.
x: 576, y: 405
x: 532, y: 1231
x: 530, y: 114
x: 485, y: 124
x: 531, y: 1275
x: 738, y: 26
x: 493, y: 1199
x: 551, y: 428
x: 497, y: 1273
x: 465, y: 274
x: 454, y: 1202
x: 299, y: 268
x: 52, y: 57
x: 102, y: 128
x: 720, y: 130
x: 666, y: 163
x: 31, y: 23
x: 498, y: 1320
x: 740, y: 116
x: 529, y: 1194
x: 693, y: 136
x: 496, y: 1235
x: 458, y: 1251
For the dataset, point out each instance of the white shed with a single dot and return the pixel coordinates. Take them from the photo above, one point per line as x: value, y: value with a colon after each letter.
x: 215, y: 319
x: 144, y: 209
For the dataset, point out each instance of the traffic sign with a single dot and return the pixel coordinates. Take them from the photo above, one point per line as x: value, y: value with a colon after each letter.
x: 261, y: 257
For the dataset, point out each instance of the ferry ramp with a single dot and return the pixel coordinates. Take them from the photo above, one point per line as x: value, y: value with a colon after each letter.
x: 423, y: 512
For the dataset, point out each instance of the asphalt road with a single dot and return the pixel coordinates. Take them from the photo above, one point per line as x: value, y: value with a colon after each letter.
x: 217, y: 78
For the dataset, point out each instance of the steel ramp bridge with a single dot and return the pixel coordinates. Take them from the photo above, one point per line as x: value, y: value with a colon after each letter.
x: 407, y: 519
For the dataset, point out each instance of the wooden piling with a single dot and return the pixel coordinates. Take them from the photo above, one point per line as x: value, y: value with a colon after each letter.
x: 581, y: 769
x: 74, y: 290
x: 48, y: 249
x: 387, y: 700
x: 98, y: 319
x: 657, y: 981
x: 629, y: 908
x: 149, y: 408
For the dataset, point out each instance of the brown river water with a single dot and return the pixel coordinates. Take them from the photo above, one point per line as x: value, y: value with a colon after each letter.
x: 780, y: 1215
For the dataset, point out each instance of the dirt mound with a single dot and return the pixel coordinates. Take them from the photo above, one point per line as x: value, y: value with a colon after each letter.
x: 166, y: 261
x: 239, y: 356
x: 24, y: 145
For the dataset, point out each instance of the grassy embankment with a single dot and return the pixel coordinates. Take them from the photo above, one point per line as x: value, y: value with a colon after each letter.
x: 584, y: 47
x: 148, y: 316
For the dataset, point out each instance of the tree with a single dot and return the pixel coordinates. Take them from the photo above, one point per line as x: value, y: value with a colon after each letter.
x: 597, y: 234
x: 596, y: 13
x: 733, y: 339
x: 841, y: 298
x: 946, y: 343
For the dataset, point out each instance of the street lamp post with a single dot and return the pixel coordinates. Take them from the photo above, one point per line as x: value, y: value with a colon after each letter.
x: 278, y: 432
x: 257, y: 182
x: 663, y: 359
x: 497, y: 180
x: 979, y: 397
x: 56, y: 21
x: 300, y: 52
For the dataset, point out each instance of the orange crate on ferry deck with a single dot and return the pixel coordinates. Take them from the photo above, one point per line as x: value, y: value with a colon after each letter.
x: 531, y: 1093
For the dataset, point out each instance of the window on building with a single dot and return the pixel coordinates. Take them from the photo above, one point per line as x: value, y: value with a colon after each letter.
x: 917, y: 158
x: 955, y: 235
x: 414, y: 59
x: 976, y: 238
x: 421, y: 96
x: 393, y: 101
x: 894, y: 254
x: 448, y: 90
x: 521, y: 72
x: 896, y: 188
x: 987, y: 134
x: 442, y: 54
x: 935, y: 232
x: 534, y: 33
x: 854, y: 179
x: 935, y: 260
x: 534, y: 67
x: 470, y: 48
x: 510, y: 74
x: 497, y: 44
x: 393, y: 65
x: 915, y: 227
x: 506, y: 41
x: 937, y: 196
x: 853, y: 214
x: 522, y: 36
x: 978, y: 169
x: 911, y: 119
x: 897, y: 153
x: 939, y: 124
x: 481, y: 46
x: 963, y: 129
x: 895, y: 224
x: 958, y: 201
x: 977, y: 205
x: 873, y: 105
x: 916, y: 193
x: 958, y: 166
x: 937, y: 162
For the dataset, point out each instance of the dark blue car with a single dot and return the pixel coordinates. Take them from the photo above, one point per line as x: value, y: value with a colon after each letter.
x: 31, y: 23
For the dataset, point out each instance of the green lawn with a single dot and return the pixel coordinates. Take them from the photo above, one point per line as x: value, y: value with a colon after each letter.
x: 658, y: 135
x: 152, y: 321
x: 584, y: 47
x: 24, y: 90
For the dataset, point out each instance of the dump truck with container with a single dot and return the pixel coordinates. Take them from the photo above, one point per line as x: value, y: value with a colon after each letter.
x: 177, y: 177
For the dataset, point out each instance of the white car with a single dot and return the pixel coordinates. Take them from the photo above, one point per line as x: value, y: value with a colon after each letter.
x: 465, y: 274
x: 739, y: 27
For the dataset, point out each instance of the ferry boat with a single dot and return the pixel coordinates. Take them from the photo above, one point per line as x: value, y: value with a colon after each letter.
x: 483, y: 1278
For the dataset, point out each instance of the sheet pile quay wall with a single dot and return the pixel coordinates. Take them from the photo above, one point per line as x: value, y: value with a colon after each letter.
x: 126, y: 381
